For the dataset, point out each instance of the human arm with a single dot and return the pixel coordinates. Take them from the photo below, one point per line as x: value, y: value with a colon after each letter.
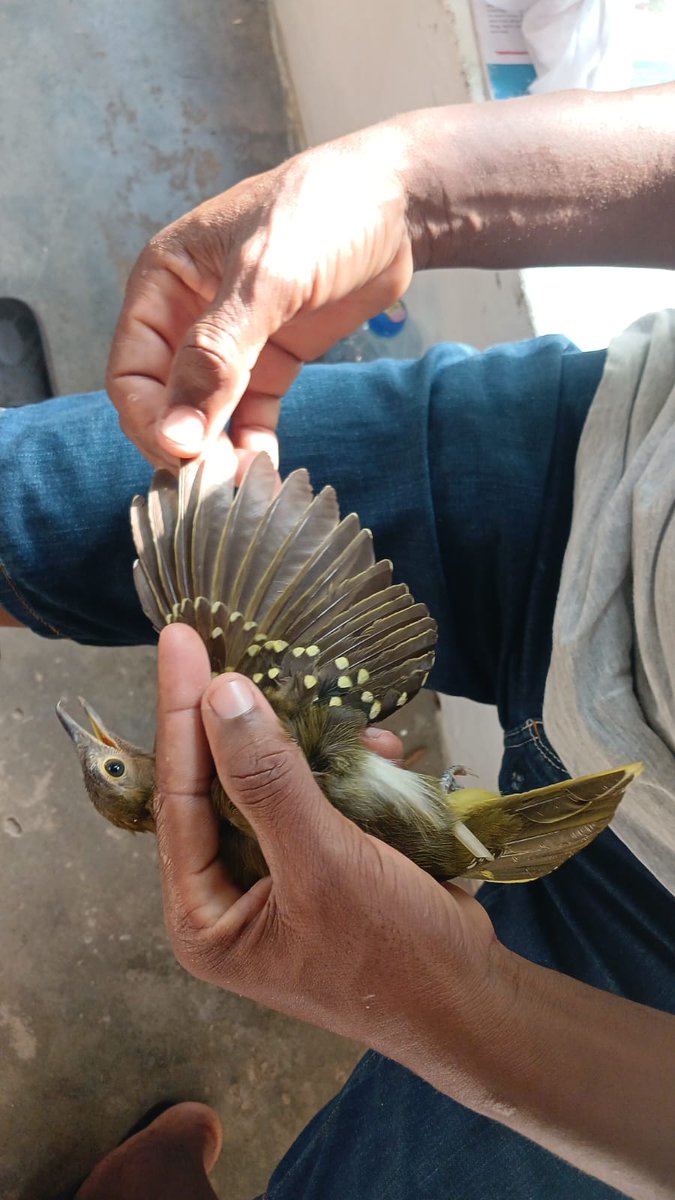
x: 588, y: 1075
x: 351, y: 936
x: 572, y: 178
x: 224, y: 305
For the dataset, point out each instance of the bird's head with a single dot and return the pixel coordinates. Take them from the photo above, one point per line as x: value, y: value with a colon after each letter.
x: 119, y: 777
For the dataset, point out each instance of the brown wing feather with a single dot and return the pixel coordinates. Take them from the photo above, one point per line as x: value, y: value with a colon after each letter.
x: 278, y: 524
x: 224, y: 528
x: 148, y: 570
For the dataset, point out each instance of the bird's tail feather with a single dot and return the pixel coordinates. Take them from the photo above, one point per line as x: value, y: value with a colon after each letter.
x: 541, y: 829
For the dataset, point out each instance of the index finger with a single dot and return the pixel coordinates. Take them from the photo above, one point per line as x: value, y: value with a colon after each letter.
x: 194, y: 879
x: 157, y: 311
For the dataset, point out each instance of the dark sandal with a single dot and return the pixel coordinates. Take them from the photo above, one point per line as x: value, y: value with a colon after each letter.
x: 24, y: 375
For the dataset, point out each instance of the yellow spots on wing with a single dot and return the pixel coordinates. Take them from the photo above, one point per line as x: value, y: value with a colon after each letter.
x: 273, y: 672
x: 342, y: 663
x: 253, y: 650
x: 363, y: 676
x: 335, y: 702
x: 217, y: 632
x: 258, y: 677
x: 259, y: 637
x: 367, y: 697
x: 249, y: 625
x: 345, y: 681
x: 403, y: 699
x: 375, y: 710
x: 277, y: 645
x: 310, y: 681
x: 310, y: 651
x: 235, y: 616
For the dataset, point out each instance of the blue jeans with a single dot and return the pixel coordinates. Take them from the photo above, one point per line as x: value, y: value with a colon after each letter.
x: 462, y: 464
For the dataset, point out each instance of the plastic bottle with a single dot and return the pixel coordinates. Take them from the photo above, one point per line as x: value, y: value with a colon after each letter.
x: 391, y: 334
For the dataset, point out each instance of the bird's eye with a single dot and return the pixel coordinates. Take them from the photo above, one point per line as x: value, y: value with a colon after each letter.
x: 114, y: 767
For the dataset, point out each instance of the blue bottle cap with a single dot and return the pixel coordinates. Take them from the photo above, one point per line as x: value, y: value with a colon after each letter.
x: 388, y: 324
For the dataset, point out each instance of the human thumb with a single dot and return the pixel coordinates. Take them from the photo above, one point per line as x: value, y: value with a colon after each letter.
x: 263, y: 771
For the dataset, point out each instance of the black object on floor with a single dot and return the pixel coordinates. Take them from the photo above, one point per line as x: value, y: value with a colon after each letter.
x: 24, y: 376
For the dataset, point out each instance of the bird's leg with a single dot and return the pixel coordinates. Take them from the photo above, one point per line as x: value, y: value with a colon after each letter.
x: 448, y: 779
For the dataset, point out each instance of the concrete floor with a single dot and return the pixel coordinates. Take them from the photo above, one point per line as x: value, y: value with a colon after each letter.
x: 115, y: 119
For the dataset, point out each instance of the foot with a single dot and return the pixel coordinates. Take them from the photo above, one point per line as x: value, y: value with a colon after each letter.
x: 449, y: 778
x: 169, y: 1160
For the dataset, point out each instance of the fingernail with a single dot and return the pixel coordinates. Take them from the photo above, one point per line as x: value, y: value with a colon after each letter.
x: 185, y: 428
x: 374, y: 735
x: 232, y: 698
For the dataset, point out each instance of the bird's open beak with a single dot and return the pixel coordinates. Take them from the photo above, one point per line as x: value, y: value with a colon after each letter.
x: 81, y: 737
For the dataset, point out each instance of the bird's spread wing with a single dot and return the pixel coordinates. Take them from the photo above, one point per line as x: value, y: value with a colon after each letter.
x: 279, y: 587
x: 551, y: 824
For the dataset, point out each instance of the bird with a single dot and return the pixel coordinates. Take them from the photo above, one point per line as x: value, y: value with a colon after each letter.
x: 282, y: 589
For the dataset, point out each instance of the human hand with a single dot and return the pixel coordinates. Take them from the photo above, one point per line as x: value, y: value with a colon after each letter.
x: 345, y: 932
x: 224, y: 306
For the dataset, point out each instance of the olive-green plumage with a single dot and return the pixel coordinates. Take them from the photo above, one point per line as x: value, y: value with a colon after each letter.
x: 282, y: 590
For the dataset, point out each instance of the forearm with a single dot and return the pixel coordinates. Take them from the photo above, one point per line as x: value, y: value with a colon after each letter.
x: 572, y: 178
x: 585, y: 1074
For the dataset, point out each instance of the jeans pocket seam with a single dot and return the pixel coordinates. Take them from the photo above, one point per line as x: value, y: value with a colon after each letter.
x: 537, y: 739
x: 516, y: 745
x: 549, y: 755
x: 4, y: 573
x: 525, y: 727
